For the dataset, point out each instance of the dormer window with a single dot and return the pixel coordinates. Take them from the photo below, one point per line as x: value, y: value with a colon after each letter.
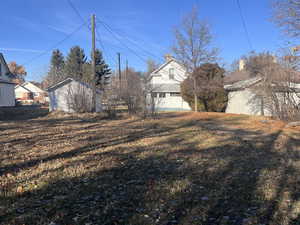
x: 171, y: 73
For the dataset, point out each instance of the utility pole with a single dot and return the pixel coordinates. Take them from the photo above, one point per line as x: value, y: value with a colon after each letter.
x: 126, y: 75
x: 119, y: 64
x: 93, y: 64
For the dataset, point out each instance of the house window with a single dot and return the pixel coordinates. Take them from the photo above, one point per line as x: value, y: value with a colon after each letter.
x: 175, y: 94
x: 0, y: 69
x: 162, y: 95
x: 171, y: 73
x: 154, y: 95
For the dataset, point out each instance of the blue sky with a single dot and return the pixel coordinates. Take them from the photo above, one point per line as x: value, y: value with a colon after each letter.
x: 29, y: 27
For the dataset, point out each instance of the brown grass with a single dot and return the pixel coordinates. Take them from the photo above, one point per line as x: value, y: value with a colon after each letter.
x: 182, y: 168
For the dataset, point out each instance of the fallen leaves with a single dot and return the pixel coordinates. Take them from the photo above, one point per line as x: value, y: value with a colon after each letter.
x: 184, y: 168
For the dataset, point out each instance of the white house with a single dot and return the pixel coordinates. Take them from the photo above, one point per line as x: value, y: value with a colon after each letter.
x: 29, y: 93
x: 165, y: 86
x: 241, y: 95
x: 7, y: 88
x: 71, y: 95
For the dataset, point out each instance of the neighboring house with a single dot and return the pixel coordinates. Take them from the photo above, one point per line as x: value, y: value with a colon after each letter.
x: 71, y: 96
x: 7, y: 87
x: 29, y: 93
x: 241, y: 96
x: 165, y: 86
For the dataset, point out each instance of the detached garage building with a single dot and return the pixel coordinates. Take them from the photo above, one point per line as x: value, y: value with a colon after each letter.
x: 72, y: 96
x: 7, y: 88
x: 242, y: 98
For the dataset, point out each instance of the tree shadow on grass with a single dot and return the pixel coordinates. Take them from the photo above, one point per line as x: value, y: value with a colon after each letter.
x: 246, y: 178
x: 22, y: 113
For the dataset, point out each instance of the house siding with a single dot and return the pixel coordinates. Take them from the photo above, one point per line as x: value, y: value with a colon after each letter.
x: 161, y: 78
x: 7, y: 95
x: 245, y: 102
x: 171, y: 103
x: 7, y: 89
x: 29, y: 93
x: 60, y: 97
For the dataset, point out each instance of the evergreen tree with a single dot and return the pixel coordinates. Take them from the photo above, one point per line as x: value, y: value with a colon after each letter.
x: 56, y: 72
x: 103, y: 71
x: 75, y: 63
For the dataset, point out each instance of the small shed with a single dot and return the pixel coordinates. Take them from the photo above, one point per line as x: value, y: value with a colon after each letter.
x: 71, y: 95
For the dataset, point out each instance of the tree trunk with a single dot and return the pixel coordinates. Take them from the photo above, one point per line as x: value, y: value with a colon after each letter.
x: 205, y: 103
x: 195, y: 97
x: 262, y: 106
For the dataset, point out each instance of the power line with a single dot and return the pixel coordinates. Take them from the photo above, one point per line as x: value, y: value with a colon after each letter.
x: 123, y: 34
x: 121, y: 42
x: 99, y: 40
x: 81, y: 18
x: 110, y: 30
x: 75, y: 10
x: 244, y: 25
x: 54, y: 46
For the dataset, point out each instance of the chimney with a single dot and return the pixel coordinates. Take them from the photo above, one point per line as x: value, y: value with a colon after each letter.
x: 168, y: 57
x: 241, y: 64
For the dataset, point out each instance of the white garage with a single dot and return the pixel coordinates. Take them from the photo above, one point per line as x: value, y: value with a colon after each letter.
x: 70, y: 96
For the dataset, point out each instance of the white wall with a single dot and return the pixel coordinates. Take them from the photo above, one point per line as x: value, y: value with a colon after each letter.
x: 33, y: 88
x: 244, y: 102
x: 19, y: 91
x: 60, y: 97
x: 163, y: 75
x: 171, y: 103
x: 7, y: 94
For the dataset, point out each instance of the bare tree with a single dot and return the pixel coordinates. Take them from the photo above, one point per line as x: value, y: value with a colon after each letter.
x: 131, y: 90
x: 79, y: 99
x: 110, y: 98
x: 18, y: 71
x: 148, y: 92
x: 286, y: 14
x: 192, y: 46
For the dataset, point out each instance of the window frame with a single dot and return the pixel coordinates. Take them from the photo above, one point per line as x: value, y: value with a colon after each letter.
x: 175, y: 94
x: 153, y: 94
x: 162, y: 95
x: 171, y: 74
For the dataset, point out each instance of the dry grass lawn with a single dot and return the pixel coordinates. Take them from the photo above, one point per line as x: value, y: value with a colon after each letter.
x: 182, y: 168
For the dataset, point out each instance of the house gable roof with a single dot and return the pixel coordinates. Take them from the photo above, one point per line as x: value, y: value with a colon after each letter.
x: 59, y: 84
x: 240, y: 85
x: 22, y: 87
x: 163, y: 66
x: 8, y: 74
x: 4, y: 62
x: 67, y: 81
x: 27, y: 86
